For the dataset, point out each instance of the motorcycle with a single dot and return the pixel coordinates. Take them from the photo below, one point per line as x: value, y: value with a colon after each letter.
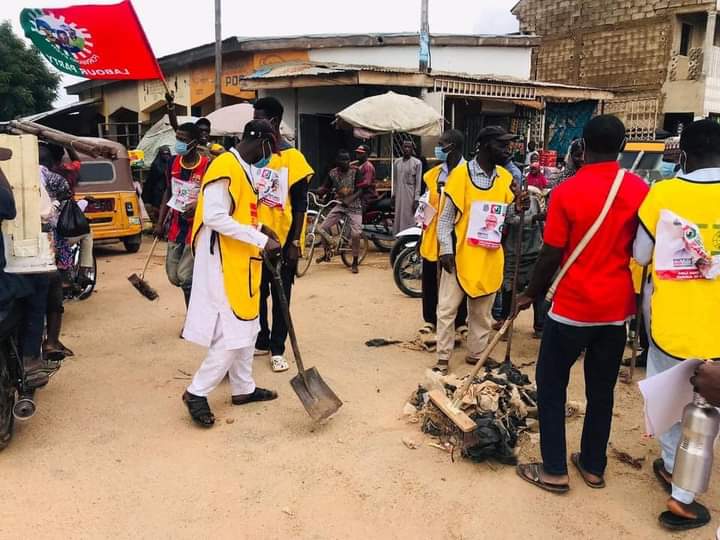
x: 408, y: 237
x: 407, y: 262
x: 74, y: 286
x: 378, y: 219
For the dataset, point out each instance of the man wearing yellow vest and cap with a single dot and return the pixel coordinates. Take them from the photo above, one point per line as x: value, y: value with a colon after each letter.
x: 227, y: 240
x: 283, y: 209
x: 449, y: 154
x: 470, y: 235
x: 680, y: 231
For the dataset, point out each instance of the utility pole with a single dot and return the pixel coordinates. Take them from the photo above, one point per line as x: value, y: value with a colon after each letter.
x: 218, y: 56
x: 424, y: 37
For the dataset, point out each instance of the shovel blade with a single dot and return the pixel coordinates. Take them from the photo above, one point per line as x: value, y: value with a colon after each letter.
x: 316, y: 396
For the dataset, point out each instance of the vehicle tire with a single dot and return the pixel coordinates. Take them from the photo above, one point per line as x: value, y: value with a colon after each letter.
x: 400, y: 245
x: 382, y: 244
x: 7, y: 396
x: 407, y: 272
x: 88, y: 290
x: 306, y: 258
x: 346, y: 256
x: 132, y: 243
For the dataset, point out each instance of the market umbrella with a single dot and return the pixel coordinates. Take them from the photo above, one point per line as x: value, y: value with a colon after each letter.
x: 231, y: 120
x: 161, y: 133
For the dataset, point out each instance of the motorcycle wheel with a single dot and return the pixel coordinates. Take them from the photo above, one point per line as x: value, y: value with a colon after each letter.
x: 88, y: 290
x: 7, y: 398
x: 400, y: 245
x: 346, y: 255
x: 382, y: 244
x: 307, y: 256
x: 407, y: 272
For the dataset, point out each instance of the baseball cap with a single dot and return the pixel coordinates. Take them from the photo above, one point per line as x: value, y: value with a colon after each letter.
x: 495, y: 132
x: 364, y: 148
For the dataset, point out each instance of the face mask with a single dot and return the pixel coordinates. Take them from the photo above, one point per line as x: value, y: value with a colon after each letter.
x: 441, y: 155
x: 181, y: 148
x: 262, y: 163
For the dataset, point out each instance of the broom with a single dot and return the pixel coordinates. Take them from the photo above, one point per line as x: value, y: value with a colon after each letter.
x: 139, y: 281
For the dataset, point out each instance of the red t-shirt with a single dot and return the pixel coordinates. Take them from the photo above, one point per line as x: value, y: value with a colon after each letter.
x: 598, y: 287
x: 180, y: 227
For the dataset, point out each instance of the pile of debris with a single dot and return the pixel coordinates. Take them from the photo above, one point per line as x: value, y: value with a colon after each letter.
x: 500, y: 401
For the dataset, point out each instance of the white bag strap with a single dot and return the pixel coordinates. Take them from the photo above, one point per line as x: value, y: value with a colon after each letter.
x: 614, y: 189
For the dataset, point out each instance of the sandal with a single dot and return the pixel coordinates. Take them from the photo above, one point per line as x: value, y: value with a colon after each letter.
x: 675, y: 522
x: 463, y: 331
x: 664, y: 477
x: 199, y: 409
x: 54, y: 355
x: 67, y: 352
x: 427, y: 329
x: 259, y: 394
x: 442, y: 367
x: 278, y: 363
x: 575, y: 458
x: 531, y: 473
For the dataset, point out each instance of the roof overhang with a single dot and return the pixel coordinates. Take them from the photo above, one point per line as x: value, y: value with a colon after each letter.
x: 308, y: 75
x: 67, y: 109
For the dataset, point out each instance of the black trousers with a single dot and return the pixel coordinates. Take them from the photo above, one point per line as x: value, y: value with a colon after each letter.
x: 540, y: 309
x: 430, y: 296
x: 561, y: 346
x: 273, y: 338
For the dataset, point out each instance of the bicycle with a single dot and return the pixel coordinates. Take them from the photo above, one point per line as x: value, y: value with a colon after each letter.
x: 341, y: 242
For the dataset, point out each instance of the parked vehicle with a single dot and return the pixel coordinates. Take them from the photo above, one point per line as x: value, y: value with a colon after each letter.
x: 378, y: 219
x: 407, y: 271
x: 404, y: 239
x: 113, y: 204
x: 75, y: 287
x: 650, y: 159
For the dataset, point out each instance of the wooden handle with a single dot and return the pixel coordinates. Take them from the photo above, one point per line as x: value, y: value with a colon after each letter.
x: 147, y: 260
x: 460, y: 394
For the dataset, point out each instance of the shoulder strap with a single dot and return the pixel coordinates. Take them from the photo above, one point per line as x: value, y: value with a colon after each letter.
x: 588, y: 235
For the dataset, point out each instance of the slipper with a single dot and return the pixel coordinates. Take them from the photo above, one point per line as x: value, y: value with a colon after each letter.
x: 427, y: 329
x: 531, y: 473
x: 199, y: 409
x: 575, y: 458
x: 54, y: 355
x: 67, y: 352
x: 463, y: 331
x: 259, y: 394
x: 659, y: 469
x: 278, y: 363
x: 679, y: 523
x: 442, y: 367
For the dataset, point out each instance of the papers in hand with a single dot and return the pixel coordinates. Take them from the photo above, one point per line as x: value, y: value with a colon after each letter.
x: 666, y: 395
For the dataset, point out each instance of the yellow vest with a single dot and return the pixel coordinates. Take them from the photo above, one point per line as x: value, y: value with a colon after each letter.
x: 429, y: 243
x: 292, y: 163
x: 685, y: 314
x: 479, y: 269
x: 241, y: 262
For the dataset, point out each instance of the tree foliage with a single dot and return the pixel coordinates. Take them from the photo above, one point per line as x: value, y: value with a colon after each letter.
x: 27, y: 85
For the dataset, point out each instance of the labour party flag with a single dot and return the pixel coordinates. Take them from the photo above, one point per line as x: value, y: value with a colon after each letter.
x: 93, y: 41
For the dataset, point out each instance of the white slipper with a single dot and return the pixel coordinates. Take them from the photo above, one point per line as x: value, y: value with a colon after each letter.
x: 427, y: 329
x: 279, y: 364
x: 261, y: 352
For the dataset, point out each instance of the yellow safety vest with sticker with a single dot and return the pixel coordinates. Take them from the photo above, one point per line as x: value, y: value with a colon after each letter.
x: 429, y: 244
x: 685, y: 313
x: 479, y: 268
x: 292, y: 163
x: 241, y: 262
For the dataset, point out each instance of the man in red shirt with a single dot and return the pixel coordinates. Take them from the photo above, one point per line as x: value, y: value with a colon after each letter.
x: 592, y: 304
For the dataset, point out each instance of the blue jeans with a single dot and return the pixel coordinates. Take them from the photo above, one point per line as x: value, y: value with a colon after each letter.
x: 657, y: 362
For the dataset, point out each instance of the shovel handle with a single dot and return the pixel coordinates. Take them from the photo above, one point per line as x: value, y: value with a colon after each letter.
x: 516, y: 278
x: 147, y: 260
x: 285, y: 308
x: 460, y: 393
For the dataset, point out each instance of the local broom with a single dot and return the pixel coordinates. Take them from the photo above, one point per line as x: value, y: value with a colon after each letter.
x: 139, y: 281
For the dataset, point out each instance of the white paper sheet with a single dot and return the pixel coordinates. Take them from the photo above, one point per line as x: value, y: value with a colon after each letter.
x: 666, y: 395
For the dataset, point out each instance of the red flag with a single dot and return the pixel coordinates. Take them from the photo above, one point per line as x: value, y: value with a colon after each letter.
x: 93, y: 41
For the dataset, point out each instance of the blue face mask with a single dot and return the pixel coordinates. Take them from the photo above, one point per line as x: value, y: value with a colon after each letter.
x: 181, y: 148
x: 441, y: 155
x: 262, y: 163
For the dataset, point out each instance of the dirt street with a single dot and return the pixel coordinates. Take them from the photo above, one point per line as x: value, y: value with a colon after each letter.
x: 111, y: 452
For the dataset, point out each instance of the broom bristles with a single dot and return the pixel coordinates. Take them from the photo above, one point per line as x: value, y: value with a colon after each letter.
x: 143, y: 288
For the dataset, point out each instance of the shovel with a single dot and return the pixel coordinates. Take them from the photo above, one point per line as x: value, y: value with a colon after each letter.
x: 319, y: 400
x: 515, y: 283
x: 452, y: 409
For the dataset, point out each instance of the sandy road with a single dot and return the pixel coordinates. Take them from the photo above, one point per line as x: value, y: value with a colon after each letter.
x: 112, y: 453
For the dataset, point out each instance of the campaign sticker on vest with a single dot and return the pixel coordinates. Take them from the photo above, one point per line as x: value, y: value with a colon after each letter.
x: 679, y: 250
x: 486, y: 224
x: 184, y: 193
x: 272, y: 186
x: 425, y: 211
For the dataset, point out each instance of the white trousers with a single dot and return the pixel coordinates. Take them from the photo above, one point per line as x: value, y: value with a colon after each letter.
x: 236, y: 363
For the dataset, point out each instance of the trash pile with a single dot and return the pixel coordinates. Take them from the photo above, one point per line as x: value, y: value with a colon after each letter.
x: 500, y: 401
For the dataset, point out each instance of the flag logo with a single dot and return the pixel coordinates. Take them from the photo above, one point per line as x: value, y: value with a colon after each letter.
x: 75, y: 43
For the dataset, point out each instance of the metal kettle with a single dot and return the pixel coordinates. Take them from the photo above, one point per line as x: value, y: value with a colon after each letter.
x: 694, y: 458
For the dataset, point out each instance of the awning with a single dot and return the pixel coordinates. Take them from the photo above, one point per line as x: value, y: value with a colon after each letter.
x: 67, y: 109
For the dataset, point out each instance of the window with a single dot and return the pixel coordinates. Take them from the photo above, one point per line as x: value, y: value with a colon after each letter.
x: 627, y: 159
x: 685, y: 38
x: 93, y: 172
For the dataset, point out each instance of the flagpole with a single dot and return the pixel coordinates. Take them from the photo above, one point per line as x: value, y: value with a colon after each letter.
x: 218, y: 55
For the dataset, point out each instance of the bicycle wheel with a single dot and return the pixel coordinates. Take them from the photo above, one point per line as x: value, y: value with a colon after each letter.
x: 306, y: 257
x: 407, y: 272
x: 346, y: 249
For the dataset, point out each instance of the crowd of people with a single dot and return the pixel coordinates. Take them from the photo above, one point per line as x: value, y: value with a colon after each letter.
x: 234, y: 218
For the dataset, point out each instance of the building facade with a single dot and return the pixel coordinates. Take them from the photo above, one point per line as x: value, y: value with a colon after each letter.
x: 660, y: 57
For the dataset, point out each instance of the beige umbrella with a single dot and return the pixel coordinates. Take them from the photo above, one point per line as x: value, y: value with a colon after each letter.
x: 231, y: 120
